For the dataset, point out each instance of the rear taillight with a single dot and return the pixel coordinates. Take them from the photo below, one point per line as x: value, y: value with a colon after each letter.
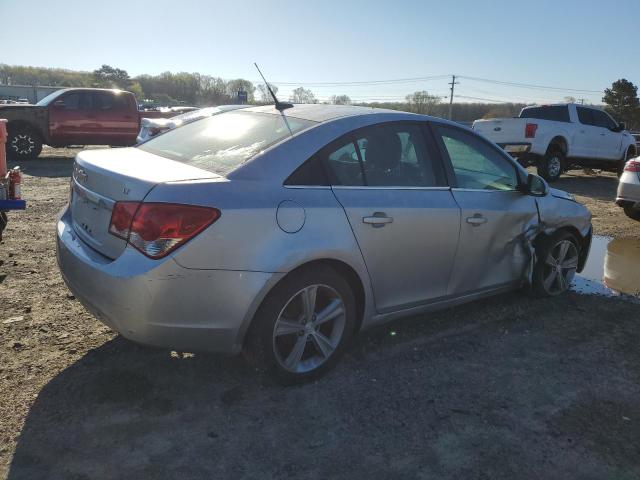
x: 632, y: 166
x: 156, y: 229
x: 530, y: 130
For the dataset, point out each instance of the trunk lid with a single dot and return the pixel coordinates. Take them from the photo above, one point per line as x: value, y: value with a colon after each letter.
x: 503, y: 130
x: 102, y: 177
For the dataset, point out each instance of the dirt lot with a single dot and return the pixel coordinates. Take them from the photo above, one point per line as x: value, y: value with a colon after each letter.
x: 511, y: 387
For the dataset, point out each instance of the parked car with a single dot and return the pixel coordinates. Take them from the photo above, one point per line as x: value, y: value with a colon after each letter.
x: 150, y: 127
x: 72, y: 116
x: 278, y: 234
x: 556, y: 138
x: 628, y: 196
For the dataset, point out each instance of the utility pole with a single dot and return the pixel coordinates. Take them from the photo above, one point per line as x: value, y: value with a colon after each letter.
x: 453, y: 84
x: 581, y: 100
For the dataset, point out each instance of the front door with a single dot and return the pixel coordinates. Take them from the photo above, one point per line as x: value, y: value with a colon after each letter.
x: 610, y: 145
x: 496, y: 218
x: 588, y: 137
x: 403, y: 215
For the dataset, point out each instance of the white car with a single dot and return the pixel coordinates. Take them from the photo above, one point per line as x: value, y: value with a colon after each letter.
x: 628, y: 196
x: 555, y: 138
x: 150, y: 127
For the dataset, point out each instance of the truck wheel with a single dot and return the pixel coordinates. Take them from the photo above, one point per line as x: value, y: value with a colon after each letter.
x: 551, y: 165
x: 23, y: 144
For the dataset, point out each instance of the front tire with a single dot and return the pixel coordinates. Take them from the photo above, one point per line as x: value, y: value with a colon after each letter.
x: 632, y: 212
x: 556, y: 264
x: 550, y: 166
x: 23, y: 144
x: 303, y: 325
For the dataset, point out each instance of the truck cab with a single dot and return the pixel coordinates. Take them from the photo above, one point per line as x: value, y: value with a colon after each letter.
x: 73, y: 116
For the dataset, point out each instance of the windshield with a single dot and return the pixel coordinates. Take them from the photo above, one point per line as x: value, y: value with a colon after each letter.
x: 50, y: 98
x: 221, y: 143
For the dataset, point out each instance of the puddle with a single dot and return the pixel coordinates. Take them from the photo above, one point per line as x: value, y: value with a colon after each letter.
x: 613, y: 268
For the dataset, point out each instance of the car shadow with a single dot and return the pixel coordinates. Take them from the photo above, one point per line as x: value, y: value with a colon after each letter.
x: 50, y: 167
x: 599, y: 187
x: 449, y: 397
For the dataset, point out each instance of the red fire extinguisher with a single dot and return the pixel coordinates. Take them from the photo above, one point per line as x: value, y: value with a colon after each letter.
x: 15, y: 179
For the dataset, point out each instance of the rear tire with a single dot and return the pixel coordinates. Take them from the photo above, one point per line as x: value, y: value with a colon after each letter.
x: 295, y: 343
x: 550, y: 166
x: 632, y: 212
x: 23, y: 144
x: 556, y: 264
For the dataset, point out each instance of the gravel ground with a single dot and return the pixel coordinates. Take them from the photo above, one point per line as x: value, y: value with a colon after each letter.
x: 510, y: 387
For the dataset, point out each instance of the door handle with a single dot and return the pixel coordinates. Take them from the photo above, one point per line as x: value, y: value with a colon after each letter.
x: 378, y: 219
x: 476, y: 220
x: 602, y: 134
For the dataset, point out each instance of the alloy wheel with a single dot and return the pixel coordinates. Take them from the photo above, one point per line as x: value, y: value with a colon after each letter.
x: 309, y: 328
x: 560, y: 267
x: 554, y: 166
x: 23, y: 144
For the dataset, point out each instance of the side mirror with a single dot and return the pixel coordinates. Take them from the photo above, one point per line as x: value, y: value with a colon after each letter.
x: 58, y: 104
x: 536, y: 186
x: 622, y: 126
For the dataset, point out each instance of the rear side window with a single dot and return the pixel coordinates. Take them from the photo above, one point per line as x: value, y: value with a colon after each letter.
x: 585, y: 116
x: 223, y: 142
x: 103, y: 101
x: 389, y: 155
x: 557, y: 113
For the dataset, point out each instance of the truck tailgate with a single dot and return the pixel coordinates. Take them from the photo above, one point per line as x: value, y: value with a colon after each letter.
x: 502, y: 130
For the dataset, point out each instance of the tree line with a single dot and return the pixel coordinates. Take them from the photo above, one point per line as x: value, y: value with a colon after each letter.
x: 167, y: 88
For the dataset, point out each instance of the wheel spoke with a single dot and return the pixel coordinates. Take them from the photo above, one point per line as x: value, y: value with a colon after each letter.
x: 309, y: 301
x: 287, y: 327
x: 329, y: 312
x: 562, y: 282
x: 549, y: 281
x: 294, y: 357
x: 323, y: 343
x: 570, y: 264
x: 552, y: 262
x: 564, y: 247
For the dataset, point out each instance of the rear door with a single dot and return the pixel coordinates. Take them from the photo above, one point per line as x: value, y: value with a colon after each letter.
x: 392, y: 187
x: 116, y: 122
x: 495, y: 216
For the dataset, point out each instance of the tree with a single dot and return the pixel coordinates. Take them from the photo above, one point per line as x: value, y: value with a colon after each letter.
x: 421, y: 102
x: 265, y: 96
x: 110, y: 77
x: 340, y: 100
x: 302, y: 95
x: 622, y: 101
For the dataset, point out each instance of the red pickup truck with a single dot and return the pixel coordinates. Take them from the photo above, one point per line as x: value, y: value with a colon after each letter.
x: 72, y: 116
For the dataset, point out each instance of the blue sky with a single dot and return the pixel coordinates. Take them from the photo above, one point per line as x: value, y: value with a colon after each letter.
x: 563, y: 43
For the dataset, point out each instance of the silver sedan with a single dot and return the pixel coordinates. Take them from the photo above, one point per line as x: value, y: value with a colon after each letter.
x: 282, y: 234
x: 628, y: 196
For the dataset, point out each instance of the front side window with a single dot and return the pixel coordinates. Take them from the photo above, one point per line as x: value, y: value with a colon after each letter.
x: 221, y: 143
x: 601, y: 119
x: 77, y: 101
x: 389, y: 155
x: 475, y: 163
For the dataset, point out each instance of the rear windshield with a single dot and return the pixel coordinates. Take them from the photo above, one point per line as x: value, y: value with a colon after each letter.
x: 559, y: 113
x: 221, y: 143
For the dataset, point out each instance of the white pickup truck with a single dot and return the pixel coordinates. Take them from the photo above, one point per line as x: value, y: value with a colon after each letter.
x: 556, y: 138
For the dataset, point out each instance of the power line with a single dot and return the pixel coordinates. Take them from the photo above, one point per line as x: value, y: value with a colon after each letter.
x: 528, y: 85
x: 483, y: 99
x: 359, y: 83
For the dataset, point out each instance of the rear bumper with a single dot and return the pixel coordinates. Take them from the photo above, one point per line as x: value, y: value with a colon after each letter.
x: 159, y: 302
x: 516, y: 149
x: 628, y: 189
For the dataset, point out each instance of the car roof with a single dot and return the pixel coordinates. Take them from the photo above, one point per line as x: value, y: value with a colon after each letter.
x: 322, y: 113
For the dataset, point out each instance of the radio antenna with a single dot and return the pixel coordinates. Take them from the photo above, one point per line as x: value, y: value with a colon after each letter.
x: 280, y: 106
